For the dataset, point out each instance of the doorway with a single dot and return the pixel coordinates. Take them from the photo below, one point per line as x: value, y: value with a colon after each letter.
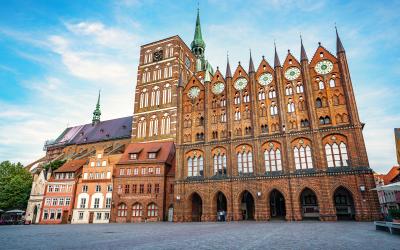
x: 344, y: 204
x: 197, y: 207
x: 277, y: 205
x: 171, y: 213
x: 91, y: 215
x: 222, y: 206
x: 309, y: 204
x: 35, y: 212
x: 247, y: 206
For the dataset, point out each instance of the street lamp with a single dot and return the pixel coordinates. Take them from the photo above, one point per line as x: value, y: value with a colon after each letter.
x: 259, y: 194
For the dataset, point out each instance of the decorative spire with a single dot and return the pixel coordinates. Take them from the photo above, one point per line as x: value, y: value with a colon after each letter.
x: 228, y: 67
x: 97, y: 112
x: 277, y: 63
x: 251, y: 64
x: 198, y: 45
x: 303, y: 55
x: 339, y: 45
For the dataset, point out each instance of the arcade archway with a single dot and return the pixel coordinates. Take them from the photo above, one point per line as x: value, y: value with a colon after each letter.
x: 309, y: 204
x: 247, y: 206
x: 277, y: 205
x: 197, y: 207
x: 344, y: 204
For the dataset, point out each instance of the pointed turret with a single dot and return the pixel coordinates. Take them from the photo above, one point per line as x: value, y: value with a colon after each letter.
x: 228, y: 68
x: 277, y: 63
x: 303, y: 55
x: 251, y: 65
x: 198, y: 45
x: 97, y: 112
x: 339, y: 45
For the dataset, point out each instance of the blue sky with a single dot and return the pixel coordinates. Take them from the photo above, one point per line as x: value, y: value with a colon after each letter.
x: 55, y: 55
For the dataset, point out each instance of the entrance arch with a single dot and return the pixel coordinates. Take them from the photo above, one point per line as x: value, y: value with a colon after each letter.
x: 197, y: 207
x: 247, y: 206
x: 309, y: 204
x: 344, y: 204
x: 35, y: 214
x: 277, y: 205
x: 221, y: 206
x: 171, y: 213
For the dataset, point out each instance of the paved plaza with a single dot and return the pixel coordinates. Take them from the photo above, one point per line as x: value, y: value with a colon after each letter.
x: 235, y: 235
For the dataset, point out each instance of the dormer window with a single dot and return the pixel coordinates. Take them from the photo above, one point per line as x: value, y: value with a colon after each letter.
x: 133, y: 156
x: 152, y: 155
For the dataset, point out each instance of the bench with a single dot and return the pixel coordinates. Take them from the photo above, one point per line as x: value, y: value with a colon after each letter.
x: 387, y: 226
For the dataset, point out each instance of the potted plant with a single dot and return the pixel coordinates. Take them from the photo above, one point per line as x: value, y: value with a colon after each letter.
x: 395, y: 214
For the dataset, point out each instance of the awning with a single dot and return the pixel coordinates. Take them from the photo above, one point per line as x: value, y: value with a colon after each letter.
x: 390, y: 187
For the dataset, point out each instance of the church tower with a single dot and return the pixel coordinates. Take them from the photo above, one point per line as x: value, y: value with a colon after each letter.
x: 97, y: 112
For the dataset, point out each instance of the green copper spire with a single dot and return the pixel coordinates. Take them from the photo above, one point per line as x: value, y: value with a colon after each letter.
x: 198, y: 45
x: 97, y: 112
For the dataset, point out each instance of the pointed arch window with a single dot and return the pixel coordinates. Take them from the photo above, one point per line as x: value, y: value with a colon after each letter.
x: 166, y: 124
x: 153, y: 126
x: 336, y: 155
x: 272, y: 160
x: 290, y: 106
x: 289, y: 90
x: 152, y: 210
x: 137, y: 210
x: 195, y: 166
x: 122, y: 210
x: 245, y: 162
x: 261, y: 95
x: 220, y: 163
x: 299, y: 88
x: 144, y: 99
x: 274, y: 109
x: 141, y: 133
x: 321, y: 85
x: 272, y: 94
x: 332, y: 83
x: 167, y: 94
x: 302, y: 157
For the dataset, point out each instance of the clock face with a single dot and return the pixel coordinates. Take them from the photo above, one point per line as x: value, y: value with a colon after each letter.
x: 265, y: 79
x: 158, y: 55
x: 218, y: 88
x: 292, y: 73
x: 324, y: 67
x: 193, y: 92
x: 240, y: 83
x: 187, y: 62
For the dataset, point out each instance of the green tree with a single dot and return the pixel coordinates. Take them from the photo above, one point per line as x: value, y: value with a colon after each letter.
x: 15, y: 186
x: 54, y: 164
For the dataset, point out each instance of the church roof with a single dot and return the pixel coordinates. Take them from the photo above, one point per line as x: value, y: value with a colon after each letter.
x: 198, y: 38
x: 119, y: 128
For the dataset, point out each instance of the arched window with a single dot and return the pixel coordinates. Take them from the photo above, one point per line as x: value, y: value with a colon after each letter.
x: 195, y: 166
x: 336, y: 155
x: 299, y: 88
x: 272, y: 160
x: 167, y: 95
x: 152, y: 210
x: 153, y: 126
x: 321, y: 85
x: 144, y: 99
x: 220, y: 163
x: 318, y: 103
x: 289, y: 90
x: 302, y: 157
x: 290, y: 106
x: 245, y: 162
x: 137, y: 210
x: 272, y: 94
x: 223, y: 117
x: 166, y: 124
x: 332, y: 83
x: 237, y: 114
x: 141, y: 128
x: 122, y: 210
x: 273, y: 109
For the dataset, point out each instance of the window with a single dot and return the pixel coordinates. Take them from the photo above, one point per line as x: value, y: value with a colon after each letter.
x: 104, y: 163
x: 289, y: 90
x: 136, y: 171
x: 336, y: 155
x: 83, y: 203
x: 119, y: 188
x: 272, y: 94
x: 61, y: 202
x: 321, y: 85
x: 220, y: 163
x: 152, y: 155
x: 80, y: 216
x: 165, y: 124
x: 318, y: 103
x: 150, y: 170
x: 324, y: 120
x: 92, y: 164
x: 106, y: 216
x: 59, y: 213
x: 272, y: 160
x: 195, y: 166
x: 302, y: 157
x: 56, y: 188
x: 149, y: 188
x: 98, y: 156
x: 274, y: 109
x: 153, y: 126
x: 54, y: 202
x: 245, y: 162
x: 109, y: 188
x: 122, y: 210
x: 137, y: 210
x: 144, y: 98
x: 84, y: 189
x: 167, y: 93
x: 332, y: 83
x: 108, y: 202
x: 98, y: 188
x: 45, y: 214
x: 67, y: 201
x: 158, y: 170
x: 50, y: 189
x: 134, y: 187
x: 128, y: 171
x: 155, y: 96
x: 290, y: 106
x: 152, y: 210
x: 85, y: 176
x: 141, y: 133
x: 143, y: 171
x: 133, y: 156
x: 156, y: 188
x: 98, y: 216
x: 122, y: 171
x: 141, y: 188
x: 127, y: 189
x: 299, y: 88
x: 237, y: 115
x: 52, y: 214
x: 48, y: 202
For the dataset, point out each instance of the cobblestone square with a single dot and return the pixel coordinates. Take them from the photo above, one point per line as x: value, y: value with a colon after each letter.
x: 235, y: 235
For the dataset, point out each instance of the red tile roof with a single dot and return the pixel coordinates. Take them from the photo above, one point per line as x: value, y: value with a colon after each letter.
x: 165, y: 152
x: 393, y: 173
x: 71, y: 166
